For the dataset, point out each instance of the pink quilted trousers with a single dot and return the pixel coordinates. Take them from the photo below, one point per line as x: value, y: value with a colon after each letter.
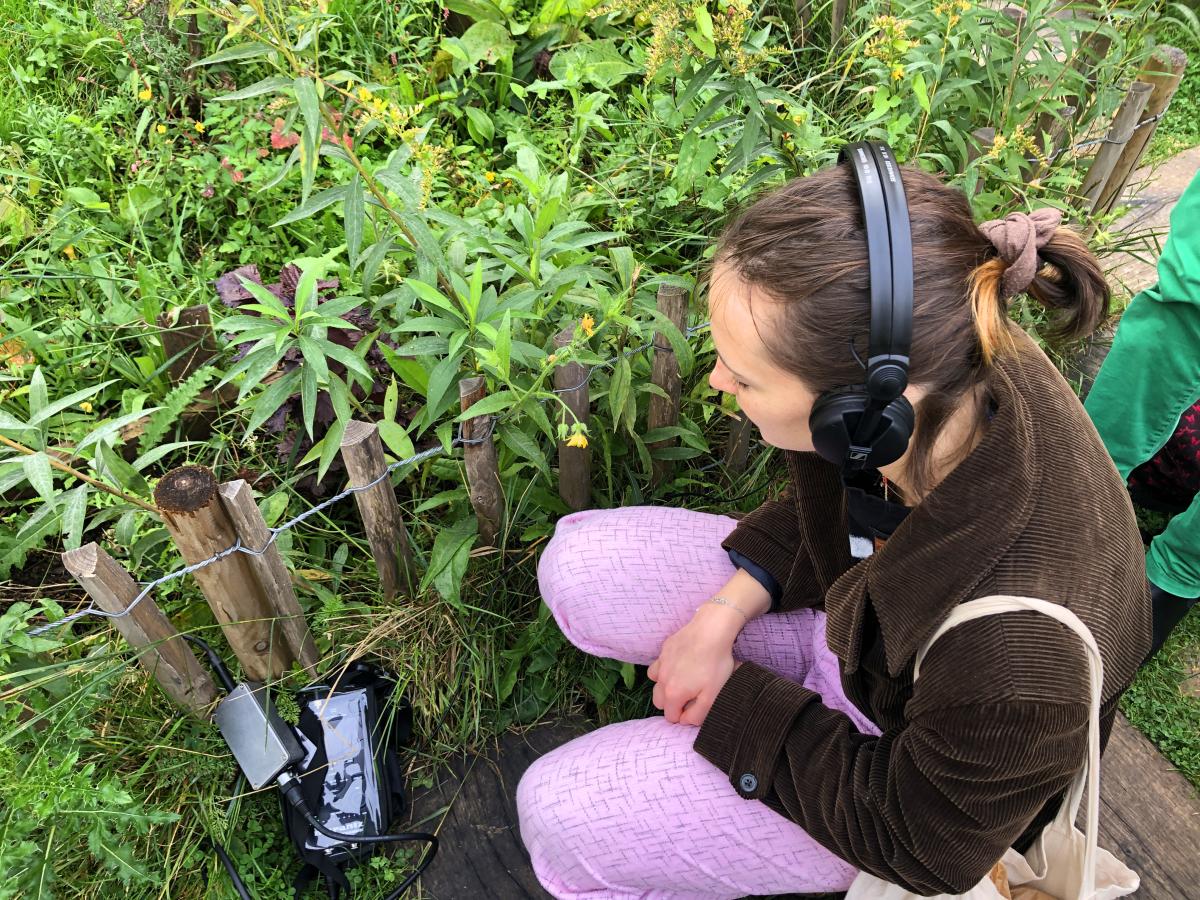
x: 630, y: 810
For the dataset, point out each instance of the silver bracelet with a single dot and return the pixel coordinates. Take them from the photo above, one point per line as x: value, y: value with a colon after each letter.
x: 725, y: 601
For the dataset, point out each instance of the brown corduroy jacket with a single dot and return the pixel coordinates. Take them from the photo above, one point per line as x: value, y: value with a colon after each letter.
x: 975, y: 757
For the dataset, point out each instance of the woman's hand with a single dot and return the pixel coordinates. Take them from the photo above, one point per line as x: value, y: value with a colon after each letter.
x: 694, y: 664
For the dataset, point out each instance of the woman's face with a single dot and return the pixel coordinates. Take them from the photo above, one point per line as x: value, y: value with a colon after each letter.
x: 776, y: 401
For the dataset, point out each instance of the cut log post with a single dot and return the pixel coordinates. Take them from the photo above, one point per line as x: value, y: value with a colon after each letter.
x: 737, y: 448
x: 268, y: 566
x: 837, y: 20
x: 1089, y: 54
x: 664, y: 411
x: 483, y: 472
x: 1123, y: 126
x: 191, y: 508
x: 161, y: 651
x: 189, y: 343
x: 804, y: 19
x: 362, y: 454
x: 1163, y: 72
x: 574, y: 463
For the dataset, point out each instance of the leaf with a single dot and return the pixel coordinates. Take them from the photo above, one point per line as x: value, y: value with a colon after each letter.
x: 353, y: 213
x: 271, y: 399
x: 235, y: 53
x: 478, y: 10
x: 921, y: 92
x: 492, y: 403
x: 598, y: 63
x: 503, y: 346
x: 704, y: 22
x: 618, y: 389
x: 332, y: 444
x: 314, y: 204
x: 269, y: 85
x: 486, y: 42
x: 427, y: 345
x: 440, y: 380
x: 310, y: 110
x: 40, y: 475
x: 315, y: 358
x: 449, y: 558
x: 73, y: 515
x: 85, y: 197
x: 480, y: 124
x: 391, y: 397
x: 431, y: 295
x: 396, y: 439
x: 39, y: 397
x: 308, y: 398
x: 526, y: 447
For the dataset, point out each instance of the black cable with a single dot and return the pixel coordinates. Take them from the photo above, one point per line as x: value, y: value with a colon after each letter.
x: 290, y: 786
x: 238, y: 884
x: 215, y: 662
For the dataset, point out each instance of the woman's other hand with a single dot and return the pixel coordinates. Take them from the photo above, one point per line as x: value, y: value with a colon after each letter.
x: 696, y: 661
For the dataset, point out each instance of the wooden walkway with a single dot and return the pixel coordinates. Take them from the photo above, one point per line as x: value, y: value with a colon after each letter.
x: 1149, y: 816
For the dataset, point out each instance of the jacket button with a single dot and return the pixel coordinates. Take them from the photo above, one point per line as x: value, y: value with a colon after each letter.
x: 748, y: 783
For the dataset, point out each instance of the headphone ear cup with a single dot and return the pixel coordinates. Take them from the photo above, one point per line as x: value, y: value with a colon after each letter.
x: 836, y: 413
x: 828, y: 421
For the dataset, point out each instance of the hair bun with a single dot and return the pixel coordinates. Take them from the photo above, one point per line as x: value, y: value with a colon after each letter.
x: 1017, y: 238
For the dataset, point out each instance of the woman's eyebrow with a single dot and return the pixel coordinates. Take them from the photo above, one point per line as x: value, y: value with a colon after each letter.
x: 727, y: 366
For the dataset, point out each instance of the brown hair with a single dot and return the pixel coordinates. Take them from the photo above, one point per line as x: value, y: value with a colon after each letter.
x: 803, y: 245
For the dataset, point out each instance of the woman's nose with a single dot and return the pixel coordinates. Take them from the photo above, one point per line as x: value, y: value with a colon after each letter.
x: 719, y: 379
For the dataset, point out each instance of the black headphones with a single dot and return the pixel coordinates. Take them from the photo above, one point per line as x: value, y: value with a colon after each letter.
x: 865, y: 426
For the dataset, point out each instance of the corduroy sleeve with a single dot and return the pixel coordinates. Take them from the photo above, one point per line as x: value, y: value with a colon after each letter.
x: 779, y: 537
x: 929, y: 806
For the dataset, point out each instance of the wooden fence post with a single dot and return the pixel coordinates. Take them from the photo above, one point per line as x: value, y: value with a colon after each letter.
x: 664, y: 412
x: 362, y: 454
x: 273, y: 575
x: 162, y: 652
x: 191, y: 508
x: 1118, y: 136
x: 574, y: 463
x: 1163, y: 72
x: 483, y: 472
x: 837, y: 20
x: 189, y: 343
x: 737, y: 448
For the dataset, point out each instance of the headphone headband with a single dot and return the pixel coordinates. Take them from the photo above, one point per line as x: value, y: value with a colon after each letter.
x: 889, y: 257
x: 870, y: 425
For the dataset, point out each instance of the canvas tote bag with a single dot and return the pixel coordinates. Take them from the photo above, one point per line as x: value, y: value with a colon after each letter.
x: 1063, y: 863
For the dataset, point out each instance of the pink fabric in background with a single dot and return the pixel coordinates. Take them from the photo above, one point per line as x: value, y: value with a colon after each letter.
x: 630, y: 810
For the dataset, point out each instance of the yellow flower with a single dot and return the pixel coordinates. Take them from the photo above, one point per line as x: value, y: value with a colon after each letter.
x: 897, y: 72
x: 490, y: 176
x: 577, y: 440
x: 551, y: 359
x: 588, y: 324
x: 199, y: 126
x: 85, y: 406
x: 365, y: 95
x: 145, y: 94
x: 161, y: 129
x: 68, y: 251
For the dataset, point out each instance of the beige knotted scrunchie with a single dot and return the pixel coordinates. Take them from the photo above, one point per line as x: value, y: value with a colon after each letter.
x: 1017, y: 238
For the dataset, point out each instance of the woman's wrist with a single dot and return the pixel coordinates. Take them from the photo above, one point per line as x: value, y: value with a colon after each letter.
x: 729, y: 610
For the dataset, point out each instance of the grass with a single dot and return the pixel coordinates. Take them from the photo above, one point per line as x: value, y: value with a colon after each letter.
x: 491, y: 662
x: 1157, y: 705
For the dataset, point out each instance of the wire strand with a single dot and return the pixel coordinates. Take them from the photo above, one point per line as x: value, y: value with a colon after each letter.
x: 238, y: 547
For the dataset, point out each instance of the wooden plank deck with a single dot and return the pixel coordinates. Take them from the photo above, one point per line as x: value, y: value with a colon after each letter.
x: 1150, y: 817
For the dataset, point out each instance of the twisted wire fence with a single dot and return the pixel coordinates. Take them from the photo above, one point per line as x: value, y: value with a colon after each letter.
x: 238, y: 547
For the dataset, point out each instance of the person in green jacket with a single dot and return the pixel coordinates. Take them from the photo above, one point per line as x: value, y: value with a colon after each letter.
x: 1146, y: 405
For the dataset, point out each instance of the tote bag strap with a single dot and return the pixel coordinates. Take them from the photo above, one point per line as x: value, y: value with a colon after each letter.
x: 1089, y: 775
